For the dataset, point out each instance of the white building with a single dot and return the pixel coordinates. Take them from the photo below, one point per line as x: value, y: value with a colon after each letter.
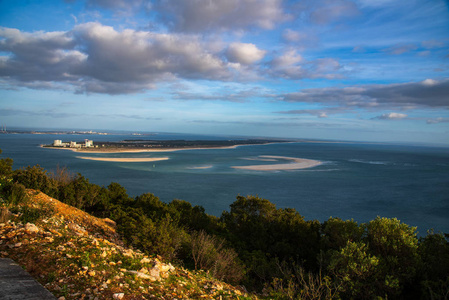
x: 88, y: 143
x: 57, y: 143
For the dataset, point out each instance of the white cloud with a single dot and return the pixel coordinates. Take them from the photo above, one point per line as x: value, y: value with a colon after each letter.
x: 391, y: 116
x: 288, y: 59
x: 97, y: 58
x: 292, y: 65
x: 320, y: 113
x: 244, y: 53
x: 292, y: 35
x: 438, y: 120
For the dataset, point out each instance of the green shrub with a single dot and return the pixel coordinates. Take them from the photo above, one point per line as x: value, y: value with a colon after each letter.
x: 209, y: 253
x: 30, y: 214
x: 15, y: 194
x: 36, y: 178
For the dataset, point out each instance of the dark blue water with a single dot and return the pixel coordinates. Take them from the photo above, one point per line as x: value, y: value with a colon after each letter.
x: 359, y: 181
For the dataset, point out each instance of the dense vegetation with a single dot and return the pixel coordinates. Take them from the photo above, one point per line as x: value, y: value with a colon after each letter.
x: 273, y: 251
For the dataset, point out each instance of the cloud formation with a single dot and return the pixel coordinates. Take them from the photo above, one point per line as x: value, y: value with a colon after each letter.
x: 438, y: 120
x: 229, y: 95
x: 94, y: 58
x: 291, y: 65
x: 391, y: 116
x: 97, y: 58
x: 329, y: 11
x: 427, y: 93
x: 244, y: 53
x: 199, y: 15
x: 320, y: 113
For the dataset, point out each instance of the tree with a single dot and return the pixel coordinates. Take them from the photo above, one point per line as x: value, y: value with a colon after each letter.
x: 355, y: 270
x: 36, y: 178
x: 396, y: 246
x: 434, y: 252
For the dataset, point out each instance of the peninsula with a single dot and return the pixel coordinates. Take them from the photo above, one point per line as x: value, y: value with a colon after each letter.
x: 140, y: 145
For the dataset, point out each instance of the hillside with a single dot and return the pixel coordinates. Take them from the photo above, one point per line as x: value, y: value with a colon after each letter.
x: 78, y: 256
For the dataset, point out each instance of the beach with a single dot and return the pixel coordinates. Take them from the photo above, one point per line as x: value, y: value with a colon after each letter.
x: 140, y: 150
x: 130, y: 159
x: 295, y: 164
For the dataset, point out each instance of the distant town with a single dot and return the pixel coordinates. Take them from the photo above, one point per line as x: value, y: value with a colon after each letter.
x: 86, y: 144
x: 3, y: 130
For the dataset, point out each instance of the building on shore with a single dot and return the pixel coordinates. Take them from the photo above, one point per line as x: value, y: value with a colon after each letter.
x: 87, y: 144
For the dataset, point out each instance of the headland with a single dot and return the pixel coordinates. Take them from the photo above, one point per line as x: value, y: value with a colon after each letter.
x: 139, y: 145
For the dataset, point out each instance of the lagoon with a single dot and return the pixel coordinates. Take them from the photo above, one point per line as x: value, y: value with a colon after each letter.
x: 352, y: 180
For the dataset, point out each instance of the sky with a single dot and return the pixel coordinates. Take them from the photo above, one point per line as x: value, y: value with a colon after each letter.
x: 360, y: 70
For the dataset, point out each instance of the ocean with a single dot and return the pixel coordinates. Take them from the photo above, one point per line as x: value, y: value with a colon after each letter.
x: 357, y: 181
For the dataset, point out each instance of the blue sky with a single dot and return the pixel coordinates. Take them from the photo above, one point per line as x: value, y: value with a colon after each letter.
x: 367, y: 70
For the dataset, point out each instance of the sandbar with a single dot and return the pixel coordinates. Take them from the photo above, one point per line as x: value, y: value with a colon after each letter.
x: 141, y: 150
x: 200, y: 167
x: 129, y: 159
x: 297, y: 163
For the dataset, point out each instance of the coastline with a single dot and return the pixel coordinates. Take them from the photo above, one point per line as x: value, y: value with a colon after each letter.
x: 142, y: 150
x: 296, y: 164
x: 131, y: 159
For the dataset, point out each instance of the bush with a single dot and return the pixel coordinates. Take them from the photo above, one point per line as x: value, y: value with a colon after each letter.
x: 15, y: 194
x: 36, y: 178
x: 299, y: 284
x: 209, y: 253
x: 355, y: 270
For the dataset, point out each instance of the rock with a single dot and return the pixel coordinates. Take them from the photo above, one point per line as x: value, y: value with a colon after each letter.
x: 78, y: 230
x: 109, y: 222
x: 145, y: 260
x: 128, y: 253
x: 166, y: 268
x: 141, y: 275
x: 118, y: 295
x: 155, y: 273
x: 31, y: 228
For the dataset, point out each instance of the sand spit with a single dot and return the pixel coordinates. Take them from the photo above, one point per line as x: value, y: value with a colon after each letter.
x: 141, y: 150
x: 297, y: 163
x: 130, y: 159
x: 200, y: 167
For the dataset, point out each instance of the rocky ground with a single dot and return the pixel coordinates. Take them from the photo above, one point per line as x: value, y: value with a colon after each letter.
x: 77, y: 256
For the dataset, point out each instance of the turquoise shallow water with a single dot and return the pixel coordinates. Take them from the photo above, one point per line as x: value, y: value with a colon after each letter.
x: 359, y: 181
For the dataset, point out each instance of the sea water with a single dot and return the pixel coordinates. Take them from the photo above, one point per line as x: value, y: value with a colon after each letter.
x: 355, y: 180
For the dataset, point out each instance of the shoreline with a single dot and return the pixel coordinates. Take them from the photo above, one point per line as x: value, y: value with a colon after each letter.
x: 143, y: 150
x: 130, y: 159
x: 296, y: 164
